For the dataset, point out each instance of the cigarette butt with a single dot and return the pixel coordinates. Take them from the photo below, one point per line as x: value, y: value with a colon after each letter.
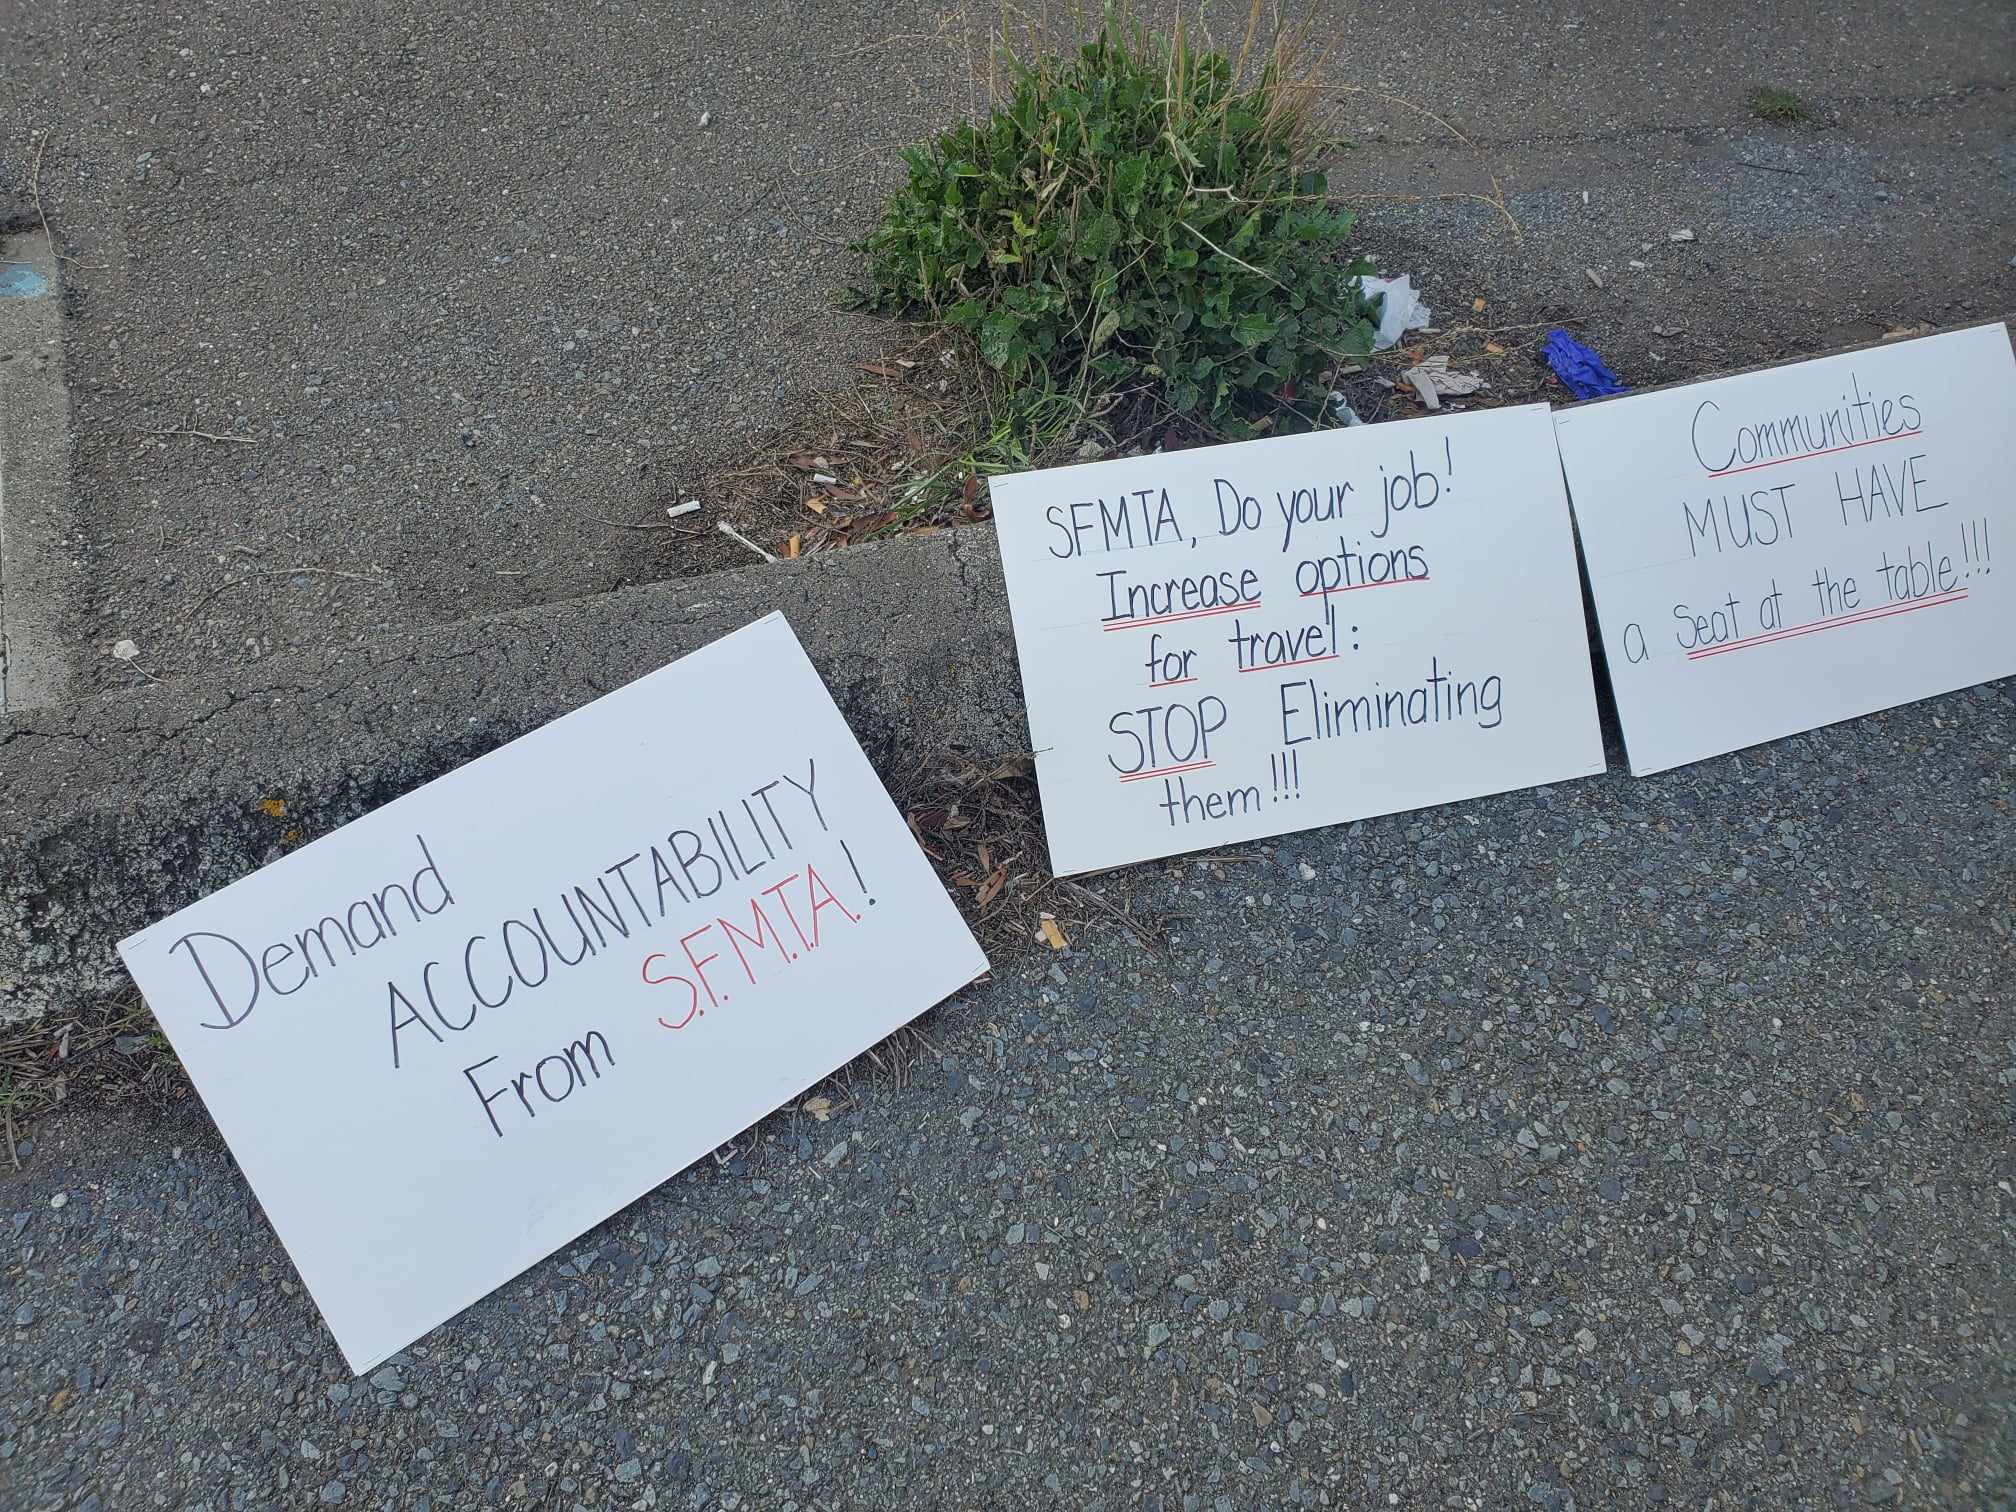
x: 687, y: 508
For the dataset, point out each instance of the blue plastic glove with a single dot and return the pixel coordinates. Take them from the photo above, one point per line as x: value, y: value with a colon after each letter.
x: 1581, y: 369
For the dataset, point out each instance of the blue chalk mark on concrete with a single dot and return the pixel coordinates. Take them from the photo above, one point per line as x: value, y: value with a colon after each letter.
x: 22, y: 283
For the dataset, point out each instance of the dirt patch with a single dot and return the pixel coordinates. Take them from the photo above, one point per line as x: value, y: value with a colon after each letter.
x: 109, y: 1052
x: 896, y: 449
x: 909, y: 445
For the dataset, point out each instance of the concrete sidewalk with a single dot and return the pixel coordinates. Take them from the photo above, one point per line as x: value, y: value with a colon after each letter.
x: 486, y: 295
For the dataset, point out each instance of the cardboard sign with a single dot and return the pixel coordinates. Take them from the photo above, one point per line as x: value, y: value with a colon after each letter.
x: 452, y: 1036
x: 1246, y: 640
x: 1776, y: 551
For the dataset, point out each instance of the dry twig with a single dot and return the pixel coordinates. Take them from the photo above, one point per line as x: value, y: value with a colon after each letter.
x: 200, y: 435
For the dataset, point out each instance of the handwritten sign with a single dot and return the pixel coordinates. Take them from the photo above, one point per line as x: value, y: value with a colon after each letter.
x: 1246, y: 640
x: 1779, y: 550
x: 450, y: 1037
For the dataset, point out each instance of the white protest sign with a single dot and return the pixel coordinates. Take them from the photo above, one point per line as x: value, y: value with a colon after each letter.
x: 1246, y: 640
x: 1779, y: 550
x: 452, y: 1036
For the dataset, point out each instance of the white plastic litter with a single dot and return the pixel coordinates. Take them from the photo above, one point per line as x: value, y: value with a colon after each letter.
x: 1402, y: 312
x: 1432, y: 380
x: 1346, y: 416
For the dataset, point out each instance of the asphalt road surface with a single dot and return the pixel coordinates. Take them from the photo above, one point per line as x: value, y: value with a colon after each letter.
x: 1621, y: 1144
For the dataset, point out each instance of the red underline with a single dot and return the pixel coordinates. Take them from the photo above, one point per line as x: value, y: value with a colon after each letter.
x: 1163, y: 619
x: 1862, y: 617
x: 1174, y: 682
x: 1808, y: 456
x: 1188, y: 766
x: 1324, y: 592
x: 1277, y: 666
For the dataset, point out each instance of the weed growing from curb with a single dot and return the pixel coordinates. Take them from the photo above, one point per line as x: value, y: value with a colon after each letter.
x: 1138, y: 216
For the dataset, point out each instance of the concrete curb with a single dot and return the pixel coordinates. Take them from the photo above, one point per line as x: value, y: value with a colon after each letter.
x: 120, y: 809
x: 116, y: 811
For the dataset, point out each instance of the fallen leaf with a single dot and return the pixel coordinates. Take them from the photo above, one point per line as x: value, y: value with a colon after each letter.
x: 991, y: 888
x: 880, y: 369
x: 1494, y: 349
x: 61, y: 1400
x: 819, y: 1107
x: 1050, y: 932
x: 1083, y: 1299
x: 817, y: 506
x: 276, y: 808
x: 1477, y: 306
